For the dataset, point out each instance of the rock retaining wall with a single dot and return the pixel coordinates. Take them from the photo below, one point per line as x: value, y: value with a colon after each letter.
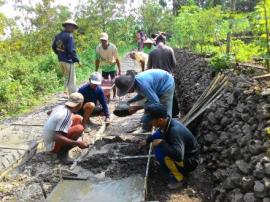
x: 230, y: 132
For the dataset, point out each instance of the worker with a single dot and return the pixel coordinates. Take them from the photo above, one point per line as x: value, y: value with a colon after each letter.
x: 106, y: 58
x: 63, y: 128
x: 162, y: 57
x: 140, y: 57
x: 176, y: 148
x: 93, y: 94
x: 63, y: 46
x: 148, y: 46
x: 156, y: 86
x: 140, y: 37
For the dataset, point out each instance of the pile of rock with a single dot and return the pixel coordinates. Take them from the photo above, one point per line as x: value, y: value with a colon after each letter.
x: 232, y: 139
x: 233, y: 144
x: 191, y: 77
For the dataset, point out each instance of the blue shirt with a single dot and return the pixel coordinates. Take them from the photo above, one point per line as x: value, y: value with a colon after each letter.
x: 152, y: 84
x: 63, y: 46
x: 94, y: 95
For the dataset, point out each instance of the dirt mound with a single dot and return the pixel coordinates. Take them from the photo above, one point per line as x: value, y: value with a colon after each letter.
x: 192, y: 76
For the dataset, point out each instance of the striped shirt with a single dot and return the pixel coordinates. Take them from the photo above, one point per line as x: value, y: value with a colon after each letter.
x: 59, y: 121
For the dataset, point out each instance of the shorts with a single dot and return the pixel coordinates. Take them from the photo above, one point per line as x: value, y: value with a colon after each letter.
x: 106, y: 75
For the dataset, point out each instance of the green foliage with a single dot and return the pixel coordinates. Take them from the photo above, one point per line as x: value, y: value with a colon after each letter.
x: 193, y: 26
x: 245, y: 52
x: 155, y: 18
x: 222, y: 61
x: 23, y: 81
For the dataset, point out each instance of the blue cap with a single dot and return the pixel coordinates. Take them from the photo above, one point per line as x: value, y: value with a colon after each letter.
x: 156, y: 111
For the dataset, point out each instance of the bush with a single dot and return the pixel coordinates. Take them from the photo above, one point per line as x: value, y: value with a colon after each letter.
x: 24, y: 80
x: 222, y: 61
x: 245, y: 52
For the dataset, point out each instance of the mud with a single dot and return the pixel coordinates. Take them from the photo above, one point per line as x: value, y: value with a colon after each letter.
x: 196, y: 188
x: 116, y: 168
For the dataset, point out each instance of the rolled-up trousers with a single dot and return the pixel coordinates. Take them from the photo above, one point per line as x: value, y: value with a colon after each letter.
x: 70, y: 76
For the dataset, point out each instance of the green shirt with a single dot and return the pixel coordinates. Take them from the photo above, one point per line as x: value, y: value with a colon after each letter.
x: 107, y: 57
x: 147, y: 50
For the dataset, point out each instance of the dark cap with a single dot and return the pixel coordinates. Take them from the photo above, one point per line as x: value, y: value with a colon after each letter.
x: 161, y: 38
x: 124, y: 84
x: 156, y: 111
x: 131, y: 72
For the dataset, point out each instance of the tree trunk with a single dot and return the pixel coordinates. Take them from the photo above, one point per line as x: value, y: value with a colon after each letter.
x: 176, y: 6
x: 228, y: 47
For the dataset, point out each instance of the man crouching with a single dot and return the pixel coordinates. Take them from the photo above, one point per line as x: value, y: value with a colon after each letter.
x: 176, y: 148
x: 63, y: 128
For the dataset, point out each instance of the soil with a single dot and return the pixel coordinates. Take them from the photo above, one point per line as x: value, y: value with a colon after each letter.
x: 197, y: 188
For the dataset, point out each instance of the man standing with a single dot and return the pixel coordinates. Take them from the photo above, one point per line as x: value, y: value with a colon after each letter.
x: 148, y: 46
x: 106, y: 58
x: 63, y: 128
x: 176, y: 148
x: 162, y: 57
x: 63, y: 46
x: 140, y: 57
x: 93, y: 93
x: 140, y: 37
x: 155, y: 85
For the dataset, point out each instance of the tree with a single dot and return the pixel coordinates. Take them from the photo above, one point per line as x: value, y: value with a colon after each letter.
x: 232, y: 9
x: 41, y: 22
x: 265, y: 8
x: 155, y: 18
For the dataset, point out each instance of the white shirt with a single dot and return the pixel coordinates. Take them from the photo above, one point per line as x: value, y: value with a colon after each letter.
x: 59, y: 121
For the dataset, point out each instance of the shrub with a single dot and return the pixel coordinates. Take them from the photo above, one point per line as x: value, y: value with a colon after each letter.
x: 222, y: 61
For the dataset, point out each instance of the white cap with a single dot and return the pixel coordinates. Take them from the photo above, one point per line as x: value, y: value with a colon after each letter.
x: 148, y: 41
x: 70, y: 22
x: 95, y: 78
x: 104, y: 36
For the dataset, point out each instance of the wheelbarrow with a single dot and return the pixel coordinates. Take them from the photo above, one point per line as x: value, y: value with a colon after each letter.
x: 107, y: 86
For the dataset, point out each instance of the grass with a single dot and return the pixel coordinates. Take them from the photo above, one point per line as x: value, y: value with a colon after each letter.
x: 82, y: 74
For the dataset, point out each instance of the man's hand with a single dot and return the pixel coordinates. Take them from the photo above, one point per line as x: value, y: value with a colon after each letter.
x: 119, y: 73
x: 82, y: 145
x: 156, y: 142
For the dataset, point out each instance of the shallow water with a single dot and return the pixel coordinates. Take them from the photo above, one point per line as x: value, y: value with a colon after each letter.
x: 123, y: 190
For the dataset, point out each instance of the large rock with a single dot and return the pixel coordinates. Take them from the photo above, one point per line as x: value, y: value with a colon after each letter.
x: 267, y: 168
x: 242, y: 166
x: 235, y: 196
x: 247, y: 183
x: 249, y: 197
x: 258, y: 187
